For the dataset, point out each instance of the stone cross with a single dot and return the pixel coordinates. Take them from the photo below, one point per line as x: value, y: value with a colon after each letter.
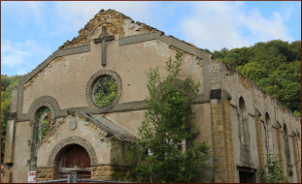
x: 104, y: 39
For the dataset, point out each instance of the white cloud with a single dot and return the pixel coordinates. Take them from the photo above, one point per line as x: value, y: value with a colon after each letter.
x: 12, y: 54
x: 78, y: 13
x: 22, y: 56
x: 214, y: 25
x: 266, y: 29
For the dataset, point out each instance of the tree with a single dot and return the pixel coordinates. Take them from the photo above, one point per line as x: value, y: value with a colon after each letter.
x: 6, y: 84
x: 274, y: 66
x: 167, y: 150
x: 273, y: 172
x: 238, y: 56
x: 220, y: 54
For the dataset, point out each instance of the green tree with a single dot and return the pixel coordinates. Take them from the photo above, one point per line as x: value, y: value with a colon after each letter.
x: 163, y: 157
x: 274, y: 66
x: 6, y: 84
x: 273, y: 172
x: 238, y: 56
x: 220, y: 54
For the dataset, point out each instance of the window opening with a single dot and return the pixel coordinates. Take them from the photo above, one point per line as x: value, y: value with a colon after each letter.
x: 104, y: 91
x: 42, y: 127
x: 244, y: 133
x: 269, y: 136
x: 246, y: 175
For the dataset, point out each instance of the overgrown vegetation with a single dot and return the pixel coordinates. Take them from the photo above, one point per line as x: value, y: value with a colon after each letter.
x: 6, y: 84
x: 105, y: 90
x: 274, y: 66
x: 273, y: 172
x: 166, y: 149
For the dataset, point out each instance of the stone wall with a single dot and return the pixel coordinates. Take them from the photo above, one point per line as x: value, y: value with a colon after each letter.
x: 45, y: 174
x: 267, y: 117
x: 102, y: 172
x: 7, y: 174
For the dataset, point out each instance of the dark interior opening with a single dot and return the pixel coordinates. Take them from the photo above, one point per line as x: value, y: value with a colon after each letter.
x: 74, y: 159
x: 247, y: 175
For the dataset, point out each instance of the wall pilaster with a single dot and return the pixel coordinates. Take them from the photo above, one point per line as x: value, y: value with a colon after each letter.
x: 224, y: 169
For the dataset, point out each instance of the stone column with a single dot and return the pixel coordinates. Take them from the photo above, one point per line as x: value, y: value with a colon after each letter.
x: 224, y: 169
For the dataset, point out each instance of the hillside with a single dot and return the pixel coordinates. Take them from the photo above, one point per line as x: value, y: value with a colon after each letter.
x: 274, y: 66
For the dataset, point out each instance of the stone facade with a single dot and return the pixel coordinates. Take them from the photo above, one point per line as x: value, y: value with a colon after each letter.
x: 241, y: 122
x: 45, y: 173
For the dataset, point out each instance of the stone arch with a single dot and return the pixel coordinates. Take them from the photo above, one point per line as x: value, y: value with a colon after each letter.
x: 257, y: 112
x: 293, y: 133
x: 278, y: 124
x: 61, y: 146
x: 46, y: 101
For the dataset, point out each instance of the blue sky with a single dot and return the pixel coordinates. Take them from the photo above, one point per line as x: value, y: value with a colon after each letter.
x: 33, y: 30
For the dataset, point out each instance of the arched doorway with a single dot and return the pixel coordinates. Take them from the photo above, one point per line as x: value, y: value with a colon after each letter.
x: 74, y: 159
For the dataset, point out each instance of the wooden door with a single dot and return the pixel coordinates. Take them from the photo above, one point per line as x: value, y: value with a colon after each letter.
x: 75, y: 159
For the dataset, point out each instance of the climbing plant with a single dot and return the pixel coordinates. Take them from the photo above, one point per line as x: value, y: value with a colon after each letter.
x: 273, y: 172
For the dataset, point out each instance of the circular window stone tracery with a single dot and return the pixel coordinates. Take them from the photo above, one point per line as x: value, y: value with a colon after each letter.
x: 103, y: 90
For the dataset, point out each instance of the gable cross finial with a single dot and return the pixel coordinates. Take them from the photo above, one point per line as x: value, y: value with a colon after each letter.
x: 104, y: 39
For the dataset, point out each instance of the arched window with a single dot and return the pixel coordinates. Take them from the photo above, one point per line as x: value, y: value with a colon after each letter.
x: 269, y: 141
x: 244, y: 132
x: 243, y: 121
x: 42, y: 126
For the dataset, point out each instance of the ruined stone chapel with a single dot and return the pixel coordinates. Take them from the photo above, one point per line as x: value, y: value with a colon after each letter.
x: 88, y: 98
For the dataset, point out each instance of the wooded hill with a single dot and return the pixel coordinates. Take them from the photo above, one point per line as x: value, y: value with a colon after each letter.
x: 274, y: 66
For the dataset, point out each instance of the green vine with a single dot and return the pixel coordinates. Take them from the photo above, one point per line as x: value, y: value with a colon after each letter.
x: 273, y: 172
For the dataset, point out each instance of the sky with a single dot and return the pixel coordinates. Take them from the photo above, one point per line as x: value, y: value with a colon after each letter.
x: 33, y: 30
